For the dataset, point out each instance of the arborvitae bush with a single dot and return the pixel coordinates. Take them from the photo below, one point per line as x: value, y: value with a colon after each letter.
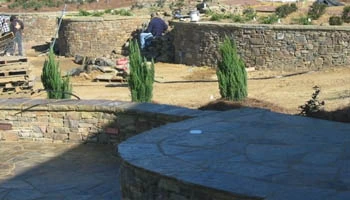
x: 335, y: 20
x: 286, y: 9
x: 316, y: 10
x: 56, y: 86
x: 345, y: 15
x: 141, y: 76
x: 231, y: 72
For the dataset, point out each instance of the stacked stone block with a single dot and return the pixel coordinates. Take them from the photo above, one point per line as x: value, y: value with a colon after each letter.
x: 282, y: 47
x: 76, y: 121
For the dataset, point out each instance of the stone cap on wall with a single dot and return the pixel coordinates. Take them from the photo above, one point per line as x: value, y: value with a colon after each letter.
x: 267, y: 26
x: 97, y: 106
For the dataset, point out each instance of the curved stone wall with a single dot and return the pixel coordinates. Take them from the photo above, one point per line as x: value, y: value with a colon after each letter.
x: 264, y: 46
x: 101, y: 121
x: 276, y: 47
x: 96, y: 36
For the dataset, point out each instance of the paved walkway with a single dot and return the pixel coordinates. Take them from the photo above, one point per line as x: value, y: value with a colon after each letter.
x: 33, y: 171
x: 251, y: 152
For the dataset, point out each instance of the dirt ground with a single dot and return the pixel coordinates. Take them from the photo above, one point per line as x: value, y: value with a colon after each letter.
x: 195, y: 87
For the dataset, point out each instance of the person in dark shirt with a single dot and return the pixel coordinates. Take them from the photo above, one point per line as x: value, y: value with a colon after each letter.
x: 16, y: 27
x: 156, y: 28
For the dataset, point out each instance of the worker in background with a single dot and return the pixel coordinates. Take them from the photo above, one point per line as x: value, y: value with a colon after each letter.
x: 16, y: 27
x: 156, y: 27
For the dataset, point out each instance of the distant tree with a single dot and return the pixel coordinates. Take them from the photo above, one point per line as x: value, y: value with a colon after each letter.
x: 231, y: 72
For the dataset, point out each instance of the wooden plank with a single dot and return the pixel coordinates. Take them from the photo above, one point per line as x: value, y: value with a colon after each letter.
x: 14, y: 73
x: 14, y: 67
x: 5, y: 40
x: 109, y: 77
x: 14, y: 64
x: 13, y: 59
x: 106, y: 69
x: 12, y: 79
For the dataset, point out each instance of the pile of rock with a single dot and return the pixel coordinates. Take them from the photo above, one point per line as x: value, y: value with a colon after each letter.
x: 161, y: 49
x: 112, y: 69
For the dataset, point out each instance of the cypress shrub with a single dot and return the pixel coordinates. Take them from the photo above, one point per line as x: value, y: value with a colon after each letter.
x: 56, y: 86
x: 141, y: 76
x: 231, y: 72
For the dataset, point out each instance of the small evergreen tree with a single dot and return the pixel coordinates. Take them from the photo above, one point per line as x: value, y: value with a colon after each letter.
x: 141, y: 76
x: 56, y: 86
x: 231, y: 72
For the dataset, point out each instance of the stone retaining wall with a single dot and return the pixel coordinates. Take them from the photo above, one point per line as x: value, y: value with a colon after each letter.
x: 264, y: 46
x: 141, y: 184
x: 96, y: 36
x: 276, y: 47
x: 80, y: 120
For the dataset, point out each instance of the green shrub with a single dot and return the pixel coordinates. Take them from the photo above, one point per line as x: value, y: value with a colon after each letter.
x: 84, y: 13
x: 345, y: 15
x: 249, y: 14
x: 108, y: 11
x: 237, y: 18
x: 97, y: 13
x: 56, y: 86
x: 313, y: 105
x: 141, y: 76
x: 286, y: 9
x: 302, y: 20
x: 316, y: 10
x: 270, y: 19
x: 122, y: 12
x: 217, y: 17
x: 231, y: 73
x: 335, y: 20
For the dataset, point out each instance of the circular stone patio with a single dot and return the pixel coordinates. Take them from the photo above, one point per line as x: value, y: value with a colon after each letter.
x: 247, y: 153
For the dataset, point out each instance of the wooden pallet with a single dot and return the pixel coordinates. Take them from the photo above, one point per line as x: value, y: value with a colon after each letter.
x: 5, y: 41
x: 6, y: 60
x: 14, y: 73
x: 14, y: 66
x: 10, y: 71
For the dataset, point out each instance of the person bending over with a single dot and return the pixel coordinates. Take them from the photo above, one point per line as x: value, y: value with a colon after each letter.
x: 156, y: 27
